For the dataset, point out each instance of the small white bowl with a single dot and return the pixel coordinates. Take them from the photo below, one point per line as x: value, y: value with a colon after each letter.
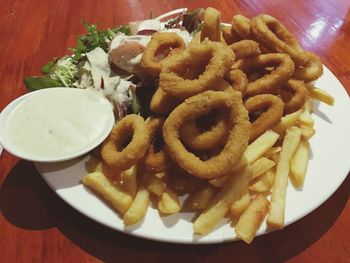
x: 95, y: 119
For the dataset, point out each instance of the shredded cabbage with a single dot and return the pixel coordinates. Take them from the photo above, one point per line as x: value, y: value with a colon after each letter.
x: 65, y: 71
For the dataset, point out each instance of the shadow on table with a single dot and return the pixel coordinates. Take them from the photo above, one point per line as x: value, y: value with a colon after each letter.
x: 27, y: 202
x: 24, y: 196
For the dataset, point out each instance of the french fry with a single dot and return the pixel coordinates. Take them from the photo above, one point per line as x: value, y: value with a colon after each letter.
x: 299, y: 163
x: 257, y: 148
x: 154, y: 184
x: 125, y: 179
x: 106, y: 170
x: 287, y: 121
x: 320, y: 95
x: 306, y: 131
x: 220, y: 205
x: 275, y: 157
x: 275, y: 218
x: 272, y: 151
x: 253, y: 152
x: 263, y: 183
x: 241, y: 204
x: 252, y: 218
x: 138, y: 207
x: 169, y: 202
x: 202, y: 197
x: 219, y: 182
x: 260, y: 166
x: 128, y: 180
x: 112, y: 193
x: 308, y: 105
x: 306, y: 118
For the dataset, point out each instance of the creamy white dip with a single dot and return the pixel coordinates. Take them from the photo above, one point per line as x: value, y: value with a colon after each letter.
x: 58, y: 124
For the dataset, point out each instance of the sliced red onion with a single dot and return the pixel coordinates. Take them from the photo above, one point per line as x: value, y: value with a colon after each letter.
x: 147, y: 32
x: 102, y: 86
x: 122, y: 109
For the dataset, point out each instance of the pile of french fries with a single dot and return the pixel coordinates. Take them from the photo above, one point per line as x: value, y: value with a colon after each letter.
x: 254, y: 191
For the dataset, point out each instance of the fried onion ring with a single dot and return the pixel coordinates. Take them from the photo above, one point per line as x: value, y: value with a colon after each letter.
x: 112, y: 151
x: 241, y: 26
x: 272, y: 107
x: 268, y: 83
x: 257, y: 74
x: 155, y: 159
x: 162, y: 103
x: 229, y: 36
x: 294, y: 95
x: 234, y: 147
x: 161, y: 45
x: 211, y: 61
x: 312, y: 70
x: 196, y: 40
x: 222, y: 85
x: 276, y: 37
x: 245, y: 48
x: 211, y: 25
x: 238, y: 79
x: 205, y: 140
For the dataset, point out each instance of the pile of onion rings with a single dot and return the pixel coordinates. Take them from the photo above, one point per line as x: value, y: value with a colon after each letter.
x: 214, y: 97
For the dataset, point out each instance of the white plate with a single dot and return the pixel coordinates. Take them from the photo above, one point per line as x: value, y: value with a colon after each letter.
x: 328, y: 167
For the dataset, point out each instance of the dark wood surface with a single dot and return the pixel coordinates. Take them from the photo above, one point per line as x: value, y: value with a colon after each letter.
x: 36, y: 226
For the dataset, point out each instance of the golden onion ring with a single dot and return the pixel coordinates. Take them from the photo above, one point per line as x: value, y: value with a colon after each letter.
x: 272, y: 111
x: 122, y: 158
x: 161, y: 45
x: 234, y: 147
x: 211, y: 60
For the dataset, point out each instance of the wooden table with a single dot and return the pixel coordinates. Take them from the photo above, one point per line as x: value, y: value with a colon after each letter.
x: 36, y: 226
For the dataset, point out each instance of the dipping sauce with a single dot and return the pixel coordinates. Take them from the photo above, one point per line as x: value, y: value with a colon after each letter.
x: 57, y: 124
